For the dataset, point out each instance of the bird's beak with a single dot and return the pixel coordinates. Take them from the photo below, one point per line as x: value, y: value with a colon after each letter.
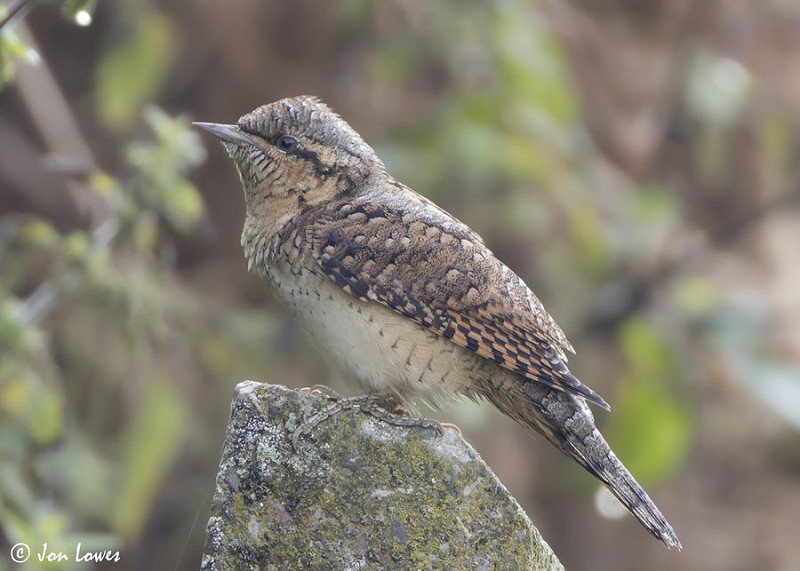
x: 227, y: 133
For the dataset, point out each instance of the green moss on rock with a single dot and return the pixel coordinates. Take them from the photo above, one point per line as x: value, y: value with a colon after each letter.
x: 357, y: 493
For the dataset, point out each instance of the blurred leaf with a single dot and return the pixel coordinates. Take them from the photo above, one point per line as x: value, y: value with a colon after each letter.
x: 38, y: 232
x: 655, y: 204
x: 14, y: 395
x: 695, y: 296
x: 13, y: 48
x: 51, y: 523
x: 12, y: 328
x: 151, y: 444
x: 34, y: 407
x: 81, y: 475
x: 104, y: 184
x: 145, y: 233
x: 45, y: 416
x: 14, y: 489
x: 587, y: 235
x: 644, y: 349
x: 163, y: 164
x: 15, y: 527
x: 776, y: 137
x: 650, y: 429
x: 524, y: 159
x: 48, y: 524
x: 177, y: 138
x: 76, y: 246
x: 183, y: 206
x: 132, y: 72
x: 532, y: 65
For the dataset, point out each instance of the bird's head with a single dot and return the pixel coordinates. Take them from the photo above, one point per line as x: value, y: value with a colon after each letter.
x: 294, y: 153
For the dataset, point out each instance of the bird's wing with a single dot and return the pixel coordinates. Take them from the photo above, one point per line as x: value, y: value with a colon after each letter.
x: 436, y: 271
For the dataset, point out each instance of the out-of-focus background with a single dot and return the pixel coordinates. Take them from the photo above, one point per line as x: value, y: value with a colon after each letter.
x: 634, y: 161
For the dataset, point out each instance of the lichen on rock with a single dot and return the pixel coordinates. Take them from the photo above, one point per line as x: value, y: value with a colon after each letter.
x: 357, y: 493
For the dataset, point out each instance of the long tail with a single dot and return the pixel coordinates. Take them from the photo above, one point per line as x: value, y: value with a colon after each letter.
x: 567, y: 422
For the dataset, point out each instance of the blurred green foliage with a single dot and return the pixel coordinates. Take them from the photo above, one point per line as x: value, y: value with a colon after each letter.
x: 151, y: 443
x: 143, y: 55
x: 81, y: 348
x: 650, y: 429
x: 64, y: 380
x: 12, y: 49
x: 164, y: 164
x: 93, y: 326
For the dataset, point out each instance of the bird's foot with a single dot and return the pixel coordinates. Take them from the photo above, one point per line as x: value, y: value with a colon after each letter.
x: 392, y: 411
x: 383, y: 408
x: 322, y: 390
x: 451, y: 426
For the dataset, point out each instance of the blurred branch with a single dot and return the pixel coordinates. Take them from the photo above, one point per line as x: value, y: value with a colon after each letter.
x: 731, y: 233
x: 17, y: 8
x: 22, y: 174
x: 635, y: 294
x: 49, y: 110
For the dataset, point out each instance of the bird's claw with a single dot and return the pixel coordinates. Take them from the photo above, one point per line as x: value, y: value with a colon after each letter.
x: 383, y: 408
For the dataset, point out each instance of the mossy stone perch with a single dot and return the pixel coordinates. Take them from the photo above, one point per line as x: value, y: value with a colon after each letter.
x: 357, y: 493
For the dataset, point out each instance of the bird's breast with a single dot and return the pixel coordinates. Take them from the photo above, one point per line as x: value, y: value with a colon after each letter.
x: 379, y: 349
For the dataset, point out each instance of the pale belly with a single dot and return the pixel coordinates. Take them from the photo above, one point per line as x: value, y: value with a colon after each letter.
x: 381, y: 350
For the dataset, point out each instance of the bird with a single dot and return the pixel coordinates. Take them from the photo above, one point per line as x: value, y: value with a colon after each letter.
x: 404, y: 299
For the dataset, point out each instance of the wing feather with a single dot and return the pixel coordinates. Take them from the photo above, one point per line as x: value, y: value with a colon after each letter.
x: 437, y: 272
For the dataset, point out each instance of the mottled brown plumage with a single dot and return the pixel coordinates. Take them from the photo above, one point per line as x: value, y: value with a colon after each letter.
x: 403, y: 298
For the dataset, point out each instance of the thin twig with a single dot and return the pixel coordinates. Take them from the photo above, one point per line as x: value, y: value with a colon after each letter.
x: 16, y: 8
x: 43, y: 300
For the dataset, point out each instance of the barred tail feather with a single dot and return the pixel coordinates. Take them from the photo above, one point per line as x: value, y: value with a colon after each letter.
x: 609, y: 470
x: 566, y: 421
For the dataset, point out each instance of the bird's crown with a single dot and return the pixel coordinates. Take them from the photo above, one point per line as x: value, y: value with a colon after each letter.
x: 303, y: 118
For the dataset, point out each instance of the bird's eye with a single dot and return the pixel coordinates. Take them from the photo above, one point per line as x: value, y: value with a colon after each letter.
x: 286, y: 143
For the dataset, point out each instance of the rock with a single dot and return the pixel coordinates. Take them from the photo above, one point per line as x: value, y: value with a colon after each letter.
x: 357, y: 493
